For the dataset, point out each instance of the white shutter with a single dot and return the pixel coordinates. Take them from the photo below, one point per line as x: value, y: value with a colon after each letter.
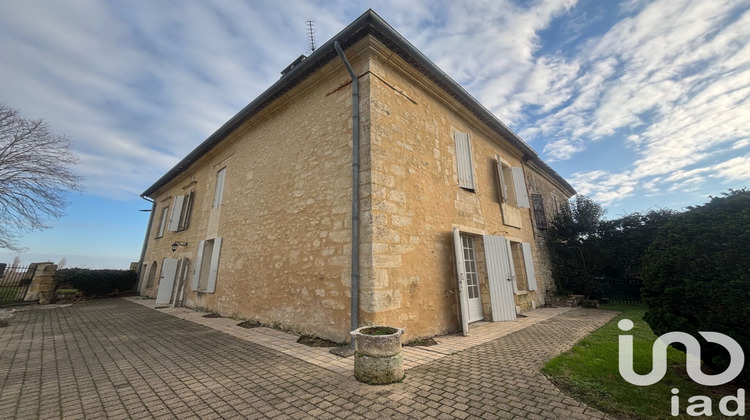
x: 182, y: 268
x: 500, y: 276
x: 174, y: 220
x: 163, y: 222
x: 463, y: 295
x: 463, y: 159
x: 509, y: 252
x: 501, y: 186
x: 219, y: 192
x: 198, y: 262
x: 529, y: 262
x: 519, y: 183
x: 187, y: 207
x: 214, y: 269
x: 166, y: 281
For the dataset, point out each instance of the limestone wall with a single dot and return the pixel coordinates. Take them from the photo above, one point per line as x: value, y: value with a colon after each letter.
x: 416, y: 201
x: 286, y: 214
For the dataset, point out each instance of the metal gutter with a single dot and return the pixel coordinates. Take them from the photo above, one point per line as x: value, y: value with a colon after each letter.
x: 355, y: 191
x: 137, y: 285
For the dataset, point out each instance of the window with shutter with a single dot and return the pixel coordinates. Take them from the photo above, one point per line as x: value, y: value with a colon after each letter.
x: 539, y: 216
x: 464, y: 162
x: 502, y: 187
x: 516, y: 255
x: 519, y: 183
x: 186, y: 209
x: 206, y: 265
x: 163, y: 222
x: 529, y: 265
x: 174, y: 219
x: 219, y: 191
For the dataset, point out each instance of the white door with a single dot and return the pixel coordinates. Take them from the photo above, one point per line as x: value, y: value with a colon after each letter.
x: 501, y: 277
x: 461, y: 271
x: 166, y: 281
x: 472, y: 279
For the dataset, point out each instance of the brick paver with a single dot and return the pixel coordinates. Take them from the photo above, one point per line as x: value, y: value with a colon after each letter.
x: 115, y: 359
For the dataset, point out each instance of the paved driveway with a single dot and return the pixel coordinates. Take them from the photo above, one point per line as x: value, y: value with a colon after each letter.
x: 116, y: 359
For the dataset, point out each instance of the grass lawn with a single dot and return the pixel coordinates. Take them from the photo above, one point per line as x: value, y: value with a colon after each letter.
x: 589, y: 373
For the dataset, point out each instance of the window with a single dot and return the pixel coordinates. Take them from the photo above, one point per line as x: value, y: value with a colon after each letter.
x: 181, y: 208
x: 219, y: 191
x: 523, y: 266
x: 151, y: 276
x: 187, y: 209
x: 522, y: 283
x: 206, y: 265
x: 470, y: 264
x: 162, y: 222
x: 463, y: 159
x: 538, y: 205
x: 555, y: 204
x: 512, y: 185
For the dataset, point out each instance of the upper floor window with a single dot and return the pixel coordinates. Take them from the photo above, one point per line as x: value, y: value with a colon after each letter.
x: 219, y: 191
x: 512, y: 185
x: 162, y: 222
x: 182, y: 206
x: 464, y: 162
x: 555, y: 204
x: 539, y: 216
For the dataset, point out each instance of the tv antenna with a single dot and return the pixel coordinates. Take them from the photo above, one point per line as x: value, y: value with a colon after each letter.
x: 311, y: 35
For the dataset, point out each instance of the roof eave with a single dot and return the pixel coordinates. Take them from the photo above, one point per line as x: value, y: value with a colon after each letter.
x: 368, y: 23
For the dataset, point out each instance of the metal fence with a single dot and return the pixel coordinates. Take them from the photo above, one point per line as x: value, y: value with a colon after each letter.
x: 14, y: 282
x: 622, y: 290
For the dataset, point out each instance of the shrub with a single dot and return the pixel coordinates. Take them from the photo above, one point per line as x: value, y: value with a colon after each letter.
x: 96, y: 282
x: 697, y: 274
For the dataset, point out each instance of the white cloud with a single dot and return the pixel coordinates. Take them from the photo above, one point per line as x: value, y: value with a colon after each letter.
x: 603, y: 186
x: 562, y: 149
x: 676, y: 76
x: 137, y: 87
x: 734, y: 169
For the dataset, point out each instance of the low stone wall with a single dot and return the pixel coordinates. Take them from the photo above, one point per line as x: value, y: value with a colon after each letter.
x: 571, y: 300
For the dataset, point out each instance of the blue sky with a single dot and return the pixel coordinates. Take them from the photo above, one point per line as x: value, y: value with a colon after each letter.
x: 639, y: 104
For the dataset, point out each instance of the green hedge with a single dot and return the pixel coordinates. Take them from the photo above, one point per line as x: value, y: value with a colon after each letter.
x: 96, y: 282
x: 697, y: 275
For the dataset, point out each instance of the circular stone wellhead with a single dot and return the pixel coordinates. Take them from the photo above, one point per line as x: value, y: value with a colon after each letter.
x: 377, y: 354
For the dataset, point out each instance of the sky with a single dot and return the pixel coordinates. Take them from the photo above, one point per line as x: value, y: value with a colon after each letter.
x: 638, y: 104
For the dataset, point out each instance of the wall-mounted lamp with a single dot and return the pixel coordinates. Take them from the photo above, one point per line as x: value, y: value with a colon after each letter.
x: 177, y: 244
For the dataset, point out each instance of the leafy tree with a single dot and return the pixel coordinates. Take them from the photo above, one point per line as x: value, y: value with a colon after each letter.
x: 625, y: 241
x: 697, y: 274
x: 598, y: 257
x: 35, y: 173
x: 573, y: 246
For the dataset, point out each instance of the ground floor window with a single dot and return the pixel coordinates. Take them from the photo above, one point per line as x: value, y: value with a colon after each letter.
x: 519, y: 266
x: 207, y: 265
x: 151, y: 276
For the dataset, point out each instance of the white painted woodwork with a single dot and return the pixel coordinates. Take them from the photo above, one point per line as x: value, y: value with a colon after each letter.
x: 501, y: 277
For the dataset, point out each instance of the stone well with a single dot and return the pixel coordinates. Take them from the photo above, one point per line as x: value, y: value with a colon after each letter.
x: 377, y: 354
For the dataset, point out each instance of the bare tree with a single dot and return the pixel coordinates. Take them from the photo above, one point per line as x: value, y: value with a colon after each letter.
x: 35, y: 174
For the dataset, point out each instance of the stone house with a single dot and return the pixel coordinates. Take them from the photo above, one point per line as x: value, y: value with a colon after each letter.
x: 256, y: 222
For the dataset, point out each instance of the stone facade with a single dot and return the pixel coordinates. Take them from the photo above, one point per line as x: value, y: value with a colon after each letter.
x: 283, y: 225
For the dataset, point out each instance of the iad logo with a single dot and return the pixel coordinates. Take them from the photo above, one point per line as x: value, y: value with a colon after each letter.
x: 693, y: 362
